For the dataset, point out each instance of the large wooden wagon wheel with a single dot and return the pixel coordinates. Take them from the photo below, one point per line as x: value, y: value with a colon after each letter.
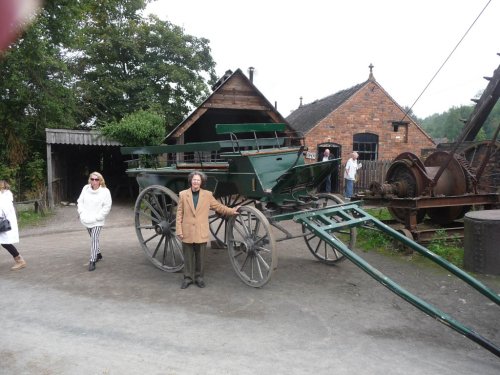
x: 322, y: 250
x: 218, y: 223
x: 155, y: 211
x: 251, y: 246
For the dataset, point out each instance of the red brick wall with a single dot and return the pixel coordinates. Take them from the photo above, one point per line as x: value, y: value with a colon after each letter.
x: 370, y: 110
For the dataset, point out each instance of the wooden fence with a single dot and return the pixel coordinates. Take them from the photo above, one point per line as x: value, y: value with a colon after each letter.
x: 372, y: 170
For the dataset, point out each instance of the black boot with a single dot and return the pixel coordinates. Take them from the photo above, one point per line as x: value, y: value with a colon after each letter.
x: 99, y: 257
x: 91, y: 266
x: 186, y: 282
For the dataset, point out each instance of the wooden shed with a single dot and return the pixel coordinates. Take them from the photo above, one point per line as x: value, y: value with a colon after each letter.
x: 73, y: 154
x: 234, y: 100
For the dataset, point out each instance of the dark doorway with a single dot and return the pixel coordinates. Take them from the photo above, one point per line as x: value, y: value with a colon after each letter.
x: 73, y: 163
x: 335, y: 153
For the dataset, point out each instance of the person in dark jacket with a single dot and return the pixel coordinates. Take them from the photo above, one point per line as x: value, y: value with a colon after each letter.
x: 328, y: 180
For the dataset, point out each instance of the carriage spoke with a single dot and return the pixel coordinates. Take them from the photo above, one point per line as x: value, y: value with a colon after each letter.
x: 256, y: 228
x: 266, y: 265
x: 218, y: 227
x: 149, y: 217
x: 317, y: 247
x: 150, y: 238
x: 165, y: 253
x: 251, y: 245
x: 158, y: 246
x: 243, y: 233
x: 155, y: 211
x: 148, y: 226
x: 321, y: 249
x: 157, y: 215
x: 217, y: 223
x: 263, y: 249
x: 245, y: 262
x: 177, y: 253
x: 258, y: 240
x: 258, y: 267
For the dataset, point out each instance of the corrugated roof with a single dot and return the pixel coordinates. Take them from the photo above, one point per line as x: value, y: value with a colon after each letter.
x: 78, y: 137
x: 307, y: 116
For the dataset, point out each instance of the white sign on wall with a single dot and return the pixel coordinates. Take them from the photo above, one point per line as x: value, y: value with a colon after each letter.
x: 310, y: 155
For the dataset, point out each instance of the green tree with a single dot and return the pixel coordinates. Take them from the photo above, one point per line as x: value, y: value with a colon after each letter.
x: 137, y: 129
x: 492, y: 122
x: 130, y: 63
x: 449, y: 124
x: 481, y: 135
x: 84, y: 61
x: 35, y: 93
x: 454, y: 123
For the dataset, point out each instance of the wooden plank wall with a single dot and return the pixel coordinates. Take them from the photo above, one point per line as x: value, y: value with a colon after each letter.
x: 372, y: 170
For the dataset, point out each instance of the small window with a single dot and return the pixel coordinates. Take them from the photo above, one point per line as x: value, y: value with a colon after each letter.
x: 366, y: 145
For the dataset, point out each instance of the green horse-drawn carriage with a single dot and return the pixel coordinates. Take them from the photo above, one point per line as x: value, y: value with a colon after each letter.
x: 266, y: 176
x: 270, y: 180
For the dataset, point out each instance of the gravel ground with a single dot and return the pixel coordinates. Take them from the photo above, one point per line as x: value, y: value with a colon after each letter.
x: 128, y: 317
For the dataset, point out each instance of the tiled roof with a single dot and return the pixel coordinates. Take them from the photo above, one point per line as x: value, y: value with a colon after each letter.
x: 307, y: 116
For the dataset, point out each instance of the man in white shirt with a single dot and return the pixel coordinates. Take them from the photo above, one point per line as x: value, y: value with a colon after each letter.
x: 351, y: 169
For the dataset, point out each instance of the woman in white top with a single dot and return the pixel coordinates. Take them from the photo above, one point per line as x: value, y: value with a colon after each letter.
x: 94, y: 205
x: 9, y: 238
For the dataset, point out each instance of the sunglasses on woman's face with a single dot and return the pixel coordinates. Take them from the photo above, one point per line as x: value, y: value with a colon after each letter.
x: 94, y: 179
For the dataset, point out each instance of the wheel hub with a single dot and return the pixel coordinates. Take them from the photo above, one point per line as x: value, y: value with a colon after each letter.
x: 163, y: 228
x: 249, y: 247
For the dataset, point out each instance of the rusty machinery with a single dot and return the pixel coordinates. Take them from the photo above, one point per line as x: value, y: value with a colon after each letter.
x: 450, y: 180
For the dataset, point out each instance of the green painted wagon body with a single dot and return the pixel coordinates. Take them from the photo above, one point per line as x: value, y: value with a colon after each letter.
x: 261, y: 169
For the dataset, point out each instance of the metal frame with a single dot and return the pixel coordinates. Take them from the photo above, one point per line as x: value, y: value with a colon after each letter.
x: 351, y: 215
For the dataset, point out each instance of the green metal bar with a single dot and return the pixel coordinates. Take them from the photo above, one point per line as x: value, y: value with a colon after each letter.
x: 310, y: 212
x: 362, y: 217
x: 238, y: 144
x: 163, y: 149
x: 249, y: 127
x: 201, y: 146
x: 307, y: 218
x: 476, y: 284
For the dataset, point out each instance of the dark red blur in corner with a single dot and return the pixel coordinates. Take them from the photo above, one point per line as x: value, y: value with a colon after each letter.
x: 14, y: 16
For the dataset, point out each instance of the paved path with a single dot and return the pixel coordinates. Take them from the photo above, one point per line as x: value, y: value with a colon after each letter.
x: 128, y: 317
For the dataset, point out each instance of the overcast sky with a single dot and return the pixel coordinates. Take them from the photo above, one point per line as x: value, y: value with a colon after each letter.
x: 315, y: 48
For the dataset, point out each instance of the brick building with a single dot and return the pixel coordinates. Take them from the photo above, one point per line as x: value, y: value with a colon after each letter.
x: 363, y: 118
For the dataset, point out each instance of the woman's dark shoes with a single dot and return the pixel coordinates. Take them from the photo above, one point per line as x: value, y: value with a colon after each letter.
x: 99, y: 257
x: 200, y: 282
x: 186, y: 282
x: 91, y: 266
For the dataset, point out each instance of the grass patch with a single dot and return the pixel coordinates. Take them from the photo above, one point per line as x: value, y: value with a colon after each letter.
x: 381, y: 213
x: 447, y: 247
x: 372, y: 239
x: 31, y: 218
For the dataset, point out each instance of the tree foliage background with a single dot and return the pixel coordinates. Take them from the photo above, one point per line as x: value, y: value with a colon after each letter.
x: 85, y: 63
x: 448, y: 125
